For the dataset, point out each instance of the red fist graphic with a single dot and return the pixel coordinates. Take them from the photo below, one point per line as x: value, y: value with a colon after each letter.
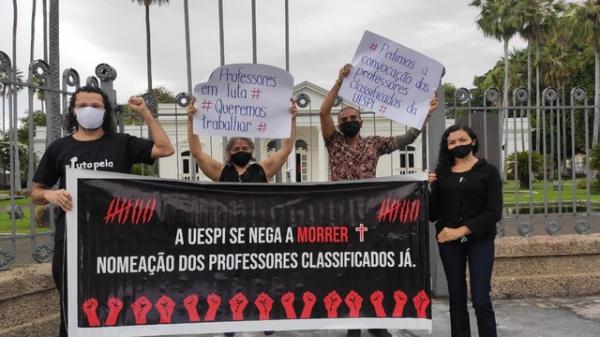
x: 190, y: 303
x: 354, y: 302
x: 214, y: 301
x: 377, y: 301
x: 264, y: 304
x: 237, y: 304
x: 115, y: 305
x: 332, y: 302
x: 287, y: 300
x: 89, y: 309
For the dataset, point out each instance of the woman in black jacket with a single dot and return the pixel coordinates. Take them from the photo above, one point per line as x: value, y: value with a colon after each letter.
x: 466, y: 204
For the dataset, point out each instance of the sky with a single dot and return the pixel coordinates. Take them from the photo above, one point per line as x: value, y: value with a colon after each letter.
x: 324, y: 35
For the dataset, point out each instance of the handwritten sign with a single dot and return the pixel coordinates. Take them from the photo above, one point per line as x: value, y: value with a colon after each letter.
x: 392, y: 80
x: 247, y: 100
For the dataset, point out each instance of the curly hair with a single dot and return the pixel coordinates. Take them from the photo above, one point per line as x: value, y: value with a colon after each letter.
x: 445, y: 159
x: 71, y: 120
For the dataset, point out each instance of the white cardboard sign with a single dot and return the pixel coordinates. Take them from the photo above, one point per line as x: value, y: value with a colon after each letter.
x: 392, y: 80
x: 245, y: 100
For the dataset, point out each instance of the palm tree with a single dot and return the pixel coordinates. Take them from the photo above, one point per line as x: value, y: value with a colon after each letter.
x: 500, y: 19
x: 522, y: 164
x: 586, y: 19
x: 538, y: 15
x: 146, y: 4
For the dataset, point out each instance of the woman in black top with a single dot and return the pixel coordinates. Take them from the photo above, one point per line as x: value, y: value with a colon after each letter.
x: 465, y: 204
x: 239, y: 165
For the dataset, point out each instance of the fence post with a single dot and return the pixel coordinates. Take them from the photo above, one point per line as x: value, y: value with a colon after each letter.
x: 431, y: 144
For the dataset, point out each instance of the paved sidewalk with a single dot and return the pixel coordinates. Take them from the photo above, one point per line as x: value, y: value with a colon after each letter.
x: 550, y: 317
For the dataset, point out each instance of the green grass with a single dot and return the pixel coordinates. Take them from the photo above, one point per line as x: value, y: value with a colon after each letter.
x: 22, y: 225
x: 566, y: 195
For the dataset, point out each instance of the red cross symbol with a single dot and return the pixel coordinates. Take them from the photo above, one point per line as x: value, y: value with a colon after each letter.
x: 361, y: 230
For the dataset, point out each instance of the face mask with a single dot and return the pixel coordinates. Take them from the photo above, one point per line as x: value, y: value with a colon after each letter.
x: 350, y: 129
x: 241, y: 158
x: 89, y: 118
x: 461, y: 151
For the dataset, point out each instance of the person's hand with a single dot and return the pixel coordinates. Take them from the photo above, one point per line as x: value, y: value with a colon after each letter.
x: 61, y: 198
x: 344, y: 73
x: 293, y: 109
x: 432, y: 177
x: 433, y: 104
x: 450, y: 234
x: 191, y: 109
x: 137, y: 104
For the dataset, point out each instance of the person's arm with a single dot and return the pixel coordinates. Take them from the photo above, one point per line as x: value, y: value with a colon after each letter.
x: 162, y: 144
x: 327, y: 124
x: 486, y: 221
x: 433, y: 195
x: 412, y: 133
x: 41, y: 195
x: 274, y: 162
x: 209, y: 166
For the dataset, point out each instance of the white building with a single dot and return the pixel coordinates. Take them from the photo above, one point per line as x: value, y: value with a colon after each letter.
x: 310, y: 152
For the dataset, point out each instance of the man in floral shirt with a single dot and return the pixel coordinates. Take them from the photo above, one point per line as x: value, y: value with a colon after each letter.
x: 354, y: 157
x: 350, y: 155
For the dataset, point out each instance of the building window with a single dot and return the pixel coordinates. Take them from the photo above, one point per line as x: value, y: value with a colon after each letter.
x: 301, y: 160
x: 186, y: 166
x: 407, y: 160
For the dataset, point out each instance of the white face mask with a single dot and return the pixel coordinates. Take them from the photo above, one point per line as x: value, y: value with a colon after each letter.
x: 89, y: 117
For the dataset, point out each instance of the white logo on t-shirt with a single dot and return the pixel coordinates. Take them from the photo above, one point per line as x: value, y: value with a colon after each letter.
x: 91, y: 165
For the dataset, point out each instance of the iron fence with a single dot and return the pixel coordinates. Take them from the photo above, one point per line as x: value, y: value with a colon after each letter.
x: 544, y: 152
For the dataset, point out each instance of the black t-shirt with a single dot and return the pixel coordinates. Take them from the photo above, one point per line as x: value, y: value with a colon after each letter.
x: 116, y: 153
x: 254, y: 174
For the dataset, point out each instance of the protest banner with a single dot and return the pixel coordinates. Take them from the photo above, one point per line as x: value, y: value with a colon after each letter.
x: 244, y: 100
x: 391, y: 80
x: 154, y: 257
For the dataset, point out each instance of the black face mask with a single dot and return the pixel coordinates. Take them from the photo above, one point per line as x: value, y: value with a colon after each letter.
x: 350, y: 129
x: 241, y: 158
x: 461, y: 151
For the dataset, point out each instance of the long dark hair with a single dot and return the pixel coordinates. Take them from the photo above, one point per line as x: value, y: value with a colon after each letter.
x: 71, y: 120
x: 445, y: 159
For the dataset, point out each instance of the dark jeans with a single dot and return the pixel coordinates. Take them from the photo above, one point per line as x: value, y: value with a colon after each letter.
x: 59, y: 273
x: 480, y: 256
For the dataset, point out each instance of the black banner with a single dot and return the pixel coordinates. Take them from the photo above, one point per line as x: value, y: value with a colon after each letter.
x: 235, y: 257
